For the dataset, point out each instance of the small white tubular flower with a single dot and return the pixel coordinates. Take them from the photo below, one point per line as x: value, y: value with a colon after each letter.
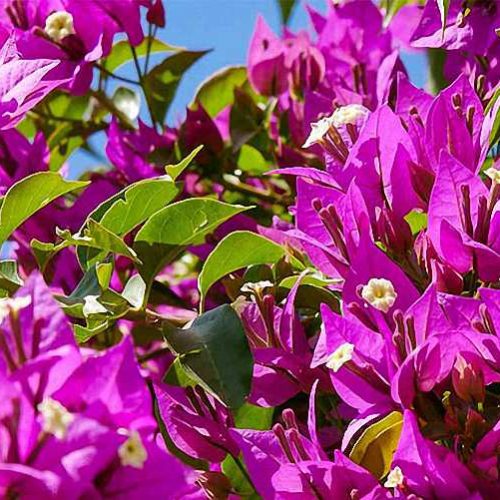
x: 342, y: 355
x: 350, y: 114
x: 318, y: 131
x: 493, y: 174
x: 59, y: 25
x: 56, y: 418
x: 14, y: 304
x: 132, y: 451
x: 380, y: 293
x: 395, y: 478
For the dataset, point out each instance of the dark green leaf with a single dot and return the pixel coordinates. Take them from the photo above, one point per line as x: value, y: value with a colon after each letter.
x: 215, y: 352
x: 9, y: 278
x: 161, y: 83
x: 286, y: 8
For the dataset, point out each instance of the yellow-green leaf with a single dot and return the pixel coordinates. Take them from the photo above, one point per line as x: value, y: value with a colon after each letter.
x: 376, y: 446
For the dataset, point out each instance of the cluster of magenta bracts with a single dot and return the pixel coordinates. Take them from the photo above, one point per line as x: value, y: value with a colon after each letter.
x: 393, y: 390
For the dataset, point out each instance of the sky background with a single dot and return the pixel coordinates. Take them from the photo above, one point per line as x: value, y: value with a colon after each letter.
x: 225, y: 26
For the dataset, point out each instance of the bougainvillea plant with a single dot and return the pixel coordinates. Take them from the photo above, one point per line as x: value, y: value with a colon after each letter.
x: 294, y: 293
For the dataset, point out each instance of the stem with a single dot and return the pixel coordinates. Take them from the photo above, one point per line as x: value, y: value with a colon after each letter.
x: 240, y: 466
x: 151, y: 35
x: 141, y: 80
x: 115, y: 76
x: 243, y: 188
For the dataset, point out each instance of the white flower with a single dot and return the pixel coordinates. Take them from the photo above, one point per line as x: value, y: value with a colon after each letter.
x: 394, y: 478
x: 132, y: 451
x: 350, y: 114
x: 59, y: 25
x: 14, y: 304
x: 342, y: 355
x: 318, y: 131
x: 56, y: 418
x: 380, y: 293
x: 493, y: 174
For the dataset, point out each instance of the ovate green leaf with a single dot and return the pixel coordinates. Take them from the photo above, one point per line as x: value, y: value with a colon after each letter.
x: 187, y: 222
x: 29, y: 195
x: 237, y: 250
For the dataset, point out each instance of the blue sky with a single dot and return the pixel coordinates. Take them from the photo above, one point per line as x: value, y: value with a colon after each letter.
x: 225, y: 26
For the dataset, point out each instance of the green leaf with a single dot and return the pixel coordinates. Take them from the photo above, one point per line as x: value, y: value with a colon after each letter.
x: 187, y: 222
x: 161, y: 83
x: 239, y: 480
x: 493, y: 108
x: 177, y: 375
x: 29, y: 195
x: 237, y: 250
x: 175, y: 170
x: 217, y: 92
x: 250, y: 416
x: 437, y: 78
x: 153, y: 259
x: 121, y: 54
x: 131, y: 207
x: 375, y: 447
x: 84, y: 334
x: 9, y: 278
x: 245, y: 119
x: 392, y: 7
x: 96, y: 236
x: 252, y: 161
x: 215, y: 352
x: 417, y: 221
x: 128, y: 209
x: 286, y: 8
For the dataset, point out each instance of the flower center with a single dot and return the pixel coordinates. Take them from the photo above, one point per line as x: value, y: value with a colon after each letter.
x: 56, y: 418
x: 350, y: 114
x: 340, y: 356
x: 59, y: 25
x: 132, y: 451
x: 379, y: 293
x: 395, y: 478
x: 493, y: 174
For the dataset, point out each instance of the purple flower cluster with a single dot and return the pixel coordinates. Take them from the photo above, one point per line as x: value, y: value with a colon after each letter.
x: 75, y: 423
x: 374, y: 336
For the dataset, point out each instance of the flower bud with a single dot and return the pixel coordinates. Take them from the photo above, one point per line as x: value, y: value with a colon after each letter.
x: 156, y: 14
